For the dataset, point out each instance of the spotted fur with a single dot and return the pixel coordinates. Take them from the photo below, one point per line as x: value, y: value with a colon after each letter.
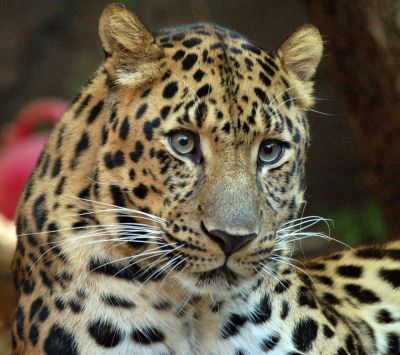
x: 128, y: 247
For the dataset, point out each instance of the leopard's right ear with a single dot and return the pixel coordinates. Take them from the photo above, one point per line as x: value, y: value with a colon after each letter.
x: 132, y: 55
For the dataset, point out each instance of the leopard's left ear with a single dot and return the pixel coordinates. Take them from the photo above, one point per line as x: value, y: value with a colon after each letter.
x: 132, y: 54
x: 302, y: 52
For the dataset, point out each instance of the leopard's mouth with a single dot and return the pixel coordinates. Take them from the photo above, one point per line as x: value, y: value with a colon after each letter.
x: 219, y: 276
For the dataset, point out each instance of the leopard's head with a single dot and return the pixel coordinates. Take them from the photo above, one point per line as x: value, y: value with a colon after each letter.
x: 203, y: 148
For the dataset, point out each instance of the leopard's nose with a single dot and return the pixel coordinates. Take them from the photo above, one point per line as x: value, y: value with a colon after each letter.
x: 229, y: 243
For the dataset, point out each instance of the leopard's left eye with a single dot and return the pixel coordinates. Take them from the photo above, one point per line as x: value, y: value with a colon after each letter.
x: 270, y: 151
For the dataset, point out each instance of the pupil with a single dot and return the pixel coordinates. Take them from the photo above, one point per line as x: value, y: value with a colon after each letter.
x: 183, y: 140
x: 269, y: 148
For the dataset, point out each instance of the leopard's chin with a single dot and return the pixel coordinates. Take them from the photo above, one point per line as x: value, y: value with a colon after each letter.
x: 220, y: 276
x: 221, y: 281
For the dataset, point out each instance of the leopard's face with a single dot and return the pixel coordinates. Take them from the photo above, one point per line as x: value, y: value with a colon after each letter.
x: 215, y: 146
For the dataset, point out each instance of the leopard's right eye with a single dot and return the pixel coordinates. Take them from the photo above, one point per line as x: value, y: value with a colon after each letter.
x: 183, y: 142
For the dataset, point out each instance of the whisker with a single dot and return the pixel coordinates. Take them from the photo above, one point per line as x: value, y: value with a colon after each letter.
x: 139, y: 238
x: 323, y: 113
x: 141, y: 260
x: 67, y: 249
x: 127, y: 225
x: 185, y: 300
x: 152, y: 252
x: 282, y: 93
x: 174, y: 250
x: 286, y: 262
x: 150, y: 235
x: 296, y: 236
x: 163, y: 268
x: 117, y: 207
x: 269, y: 272
x: 129, y: 212
x: 304, y: 219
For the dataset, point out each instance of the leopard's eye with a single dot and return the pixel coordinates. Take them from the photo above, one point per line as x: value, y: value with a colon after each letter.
x: 271, y: 151
x: 183, y: 142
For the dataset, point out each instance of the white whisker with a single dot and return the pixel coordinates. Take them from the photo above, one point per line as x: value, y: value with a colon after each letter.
x: 153, y: 251
x: 279, y: 259
x: 156, y: 218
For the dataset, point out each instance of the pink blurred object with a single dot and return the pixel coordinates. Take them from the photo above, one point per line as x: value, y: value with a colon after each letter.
x: 21, y: 148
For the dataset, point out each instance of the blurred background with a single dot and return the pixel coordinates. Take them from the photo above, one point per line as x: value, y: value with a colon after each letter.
x: 50, y: 47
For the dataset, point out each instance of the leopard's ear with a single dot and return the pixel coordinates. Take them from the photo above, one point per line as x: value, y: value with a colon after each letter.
x: 300, y: 55
x: 132, y: 54
x: 301, y: 52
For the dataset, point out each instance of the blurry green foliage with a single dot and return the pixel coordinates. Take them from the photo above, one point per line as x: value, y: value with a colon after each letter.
x: 357, y: 226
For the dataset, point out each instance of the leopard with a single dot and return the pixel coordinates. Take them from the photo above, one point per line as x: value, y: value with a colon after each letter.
x: 161, y: 215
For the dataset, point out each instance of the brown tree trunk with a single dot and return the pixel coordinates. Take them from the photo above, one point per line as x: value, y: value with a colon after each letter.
x: 363, y: 53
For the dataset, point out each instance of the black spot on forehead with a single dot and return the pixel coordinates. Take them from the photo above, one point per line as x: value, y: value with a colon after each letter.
x: 198, y: 75
x: 179, y: 54
x: 200, y: 114
x: 178, y: 36
x: 138, y: 152
x: 149, y: 126
x: 165, y: 111
x: 204, y: 90
x: 251, y: 48
x: 189, y: 61
x: 170, y: 90
x: 236, y: 50
x: 191, y: 42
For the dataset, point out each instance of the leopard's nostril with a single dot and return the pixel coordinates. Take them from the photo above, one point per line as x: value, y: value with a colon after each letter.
x: 229, y: 243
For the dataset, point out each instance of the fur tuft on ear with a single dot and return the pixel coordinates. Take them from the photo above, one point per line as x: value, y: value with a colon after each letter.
x: 302, y: 52
x: 132, y: 54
